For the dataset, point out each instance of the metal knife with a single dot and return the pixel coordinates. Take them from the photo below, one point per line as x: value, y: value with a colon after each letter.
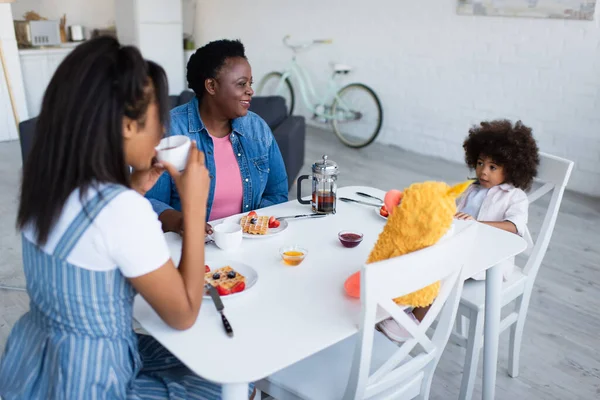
x: 347, y: 200
x: 216, y: 298
x: 301, y: 216
x: 369, y: 196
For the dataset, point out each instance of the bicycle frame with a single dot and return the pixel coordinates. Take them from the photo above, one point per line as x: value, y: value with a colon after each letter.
x: 309, y: 94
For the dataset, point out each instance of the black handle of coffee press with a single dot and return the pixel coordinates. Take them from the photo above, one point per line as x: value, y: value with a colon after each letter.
x: 299, y: 189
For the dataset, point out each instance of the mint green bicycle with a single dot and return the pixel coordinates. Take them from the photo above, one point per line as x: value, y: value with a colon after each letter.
x: 354, y: 110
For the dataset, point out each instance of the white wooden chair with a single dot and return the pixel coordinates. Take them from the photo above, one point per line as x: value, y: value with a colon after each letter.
x: 368, y: 365
x: 554, y: 173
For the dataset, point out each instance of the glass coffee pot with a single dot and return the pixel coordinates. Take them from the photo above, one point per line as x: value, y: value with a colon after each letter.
x: 324, y: 186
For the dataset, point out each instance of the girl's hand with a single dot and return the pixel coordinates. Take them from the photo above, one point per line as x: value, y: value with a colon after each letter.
x: 464, y: 216
x: 142, y: 181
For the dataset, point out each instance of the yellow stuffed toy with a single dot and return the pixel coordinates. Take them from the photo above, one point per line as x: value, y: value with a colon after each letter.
x: 418, y: 218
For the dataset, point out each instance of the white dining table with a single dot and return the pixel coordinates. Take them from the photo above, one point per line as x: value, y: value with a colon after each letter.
x: 294, y: 312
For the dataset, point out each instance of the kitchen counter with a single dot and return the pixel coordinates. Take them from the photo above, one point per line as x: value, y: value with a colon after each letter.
x: 62, y: 48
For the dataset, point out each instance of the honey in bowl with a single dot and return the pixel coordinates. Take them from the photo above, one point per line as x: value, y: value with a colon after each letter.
x: 292, y: 256
x: 293, y: 253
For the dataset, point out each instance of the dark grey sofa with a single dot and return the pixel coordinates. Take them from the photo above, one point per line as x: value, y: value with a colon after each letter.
x: 289, y: 131
x: 26, y: 134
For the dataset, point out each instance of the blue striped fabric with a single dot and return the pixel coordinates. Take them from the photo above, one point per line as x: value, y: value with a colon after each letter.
x: 77, y: 341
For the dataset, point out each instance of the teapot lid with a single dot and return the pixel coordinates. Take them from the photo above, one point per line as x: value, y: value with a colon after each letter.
x: 325, y: 166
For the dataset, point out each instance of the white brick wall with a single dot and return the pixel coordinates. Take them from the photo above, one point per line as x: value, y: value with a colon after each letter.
x: 436, y: 72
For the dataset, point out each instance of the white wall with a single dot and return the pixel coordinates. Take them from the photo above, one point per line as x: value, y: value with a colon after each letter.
x: 156, y: 28
x: 438, y: 73
x: 89, y: 13
x: 189, y: 8
x: 8, y: 128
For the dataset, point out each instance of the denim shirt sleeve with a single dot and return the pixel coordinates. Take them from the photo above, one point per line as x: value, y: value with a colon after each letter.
x: 276, y: 190
x: 160, y: 194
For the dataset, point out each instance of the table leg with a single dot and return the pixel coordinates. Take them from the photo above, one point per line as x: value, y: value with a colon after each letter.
x: 493, y: 308
x: 235, y: 391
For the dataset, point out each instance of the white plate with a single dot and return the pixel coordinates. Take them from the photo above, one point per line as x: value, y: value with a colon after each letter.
x: 244, y: 269
x: 271, y: 232
x: 379, y: 215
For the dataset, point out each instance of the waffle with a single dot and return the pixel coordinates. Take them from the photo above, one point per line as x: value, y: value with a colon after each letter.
x: 224, y: 281
x: 260, y: 227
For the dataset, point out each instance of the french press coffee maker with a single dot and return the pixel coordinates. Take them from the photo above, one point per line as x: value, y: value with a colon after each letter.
x: 324, y: 186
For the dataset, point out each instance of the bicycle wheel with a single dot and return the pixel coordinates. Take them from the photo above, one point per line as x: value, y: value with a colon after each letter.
x: 357, y: 115
x: 270, y: 86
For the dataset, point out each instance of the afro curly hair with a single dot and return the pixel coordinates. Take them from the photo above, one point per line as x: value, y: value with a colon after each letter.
x: 206, y: 62
x: 510, y: 146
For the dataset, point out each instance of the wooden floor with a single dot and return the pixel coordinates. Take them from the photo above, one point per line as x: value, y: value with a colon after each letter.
x: 560, y: 358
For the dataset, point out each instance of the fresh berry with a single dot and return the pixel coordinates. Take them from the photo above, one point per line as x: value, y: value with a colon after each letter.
x: 383, y: 212
x: 272, y: 222
x: 231, y: 274
x: 216, y: 276
x: 253, y: 221
x: 238, y: 287
x: 206, y: 268
x: 276, y: 224
x: 222, y: 291
x: 252, y: 214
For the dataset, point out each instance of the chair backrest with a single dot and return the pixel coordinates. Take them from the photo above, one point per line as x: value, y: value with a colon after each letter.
x: 385, y: 280
x: 26, y: 135
x: 553, y: 173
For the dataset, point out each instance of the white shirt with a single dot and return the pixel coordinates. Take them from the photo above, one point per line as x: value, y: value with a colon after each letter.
x: 126, y: 234
x: 500, y: 203
x: 474, y: 201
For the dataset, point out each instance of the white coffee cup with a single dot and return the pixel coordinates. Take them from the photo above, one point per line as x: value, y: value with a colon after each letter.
x: 174, y: 150
x: 227, y: 236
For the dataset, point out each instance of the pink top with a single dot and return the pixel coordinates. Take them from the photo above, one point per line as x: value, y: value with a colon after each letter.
x: 229, y: 192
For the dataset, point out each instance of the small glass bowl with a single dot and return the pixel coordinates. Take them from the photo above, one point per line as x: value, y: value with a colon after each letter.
x: 350, y: 238
x: 292, y: 255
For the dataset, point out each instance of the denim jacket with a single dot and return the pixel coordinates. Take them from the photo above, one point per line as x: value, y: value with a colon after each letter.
x: 263, y: 173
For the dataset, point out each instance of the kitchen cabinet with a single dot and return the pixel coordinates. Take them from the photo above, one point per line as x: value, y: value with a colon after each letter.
x: 38, y: 67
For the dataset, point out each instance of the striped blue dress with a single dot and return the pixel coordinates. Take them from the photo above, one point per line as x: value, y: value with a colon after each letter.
x: 77, y: 340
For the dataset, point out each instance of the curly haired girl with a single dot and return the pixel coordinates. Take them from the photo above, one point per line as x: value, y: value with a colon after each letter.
x: 505, y: 159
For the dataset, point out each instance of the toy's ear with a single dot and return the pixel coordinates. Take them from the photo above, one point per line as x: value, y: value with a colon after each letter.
x: 458, y: 189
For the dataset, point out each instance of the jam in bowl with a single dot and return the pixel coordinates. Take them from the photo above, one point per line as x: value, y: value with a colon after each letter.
x: 350, y: 238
